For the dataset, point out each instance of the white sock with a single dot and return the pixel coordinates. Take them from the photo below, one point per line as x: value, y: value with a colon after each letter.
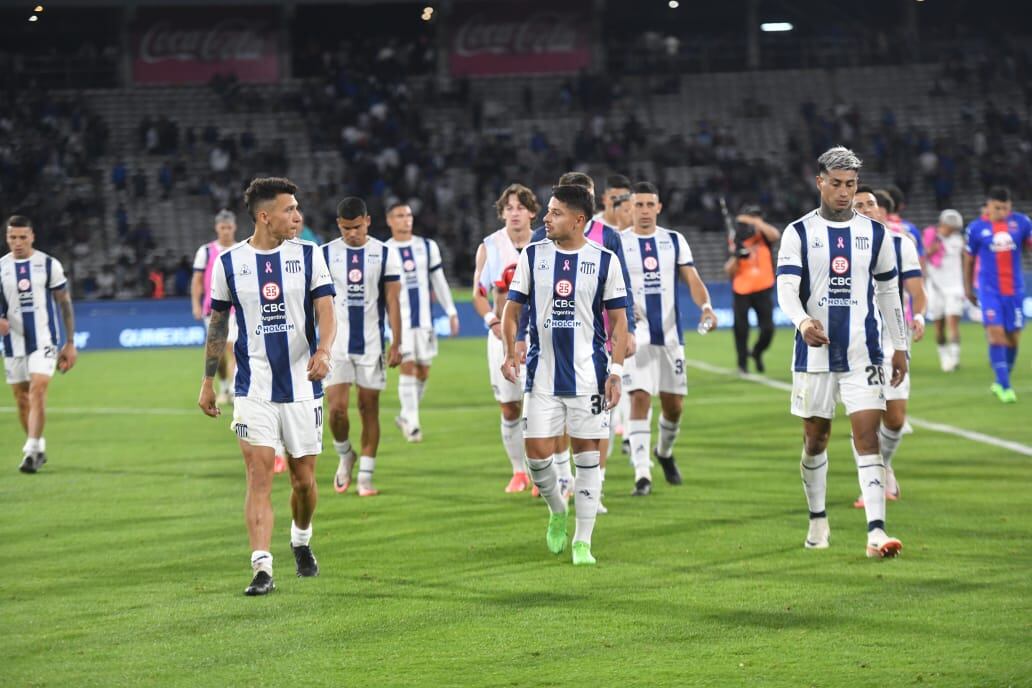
x: 280, y: 451
x: 299, y: 536
x: 640, y: 439
x: 366, y: 466
x: 512, y: 440
x: 41, y: 444
x: 668, y: 430
x: 814, y: 471
x: 261, y: 561
x: 546, y: 477
x: 944, y: 356
x: 954, y: 353
x: 623, y: 413
x: 224, y: 385
x: 31, y: 446
x: 889, y: 440
x: 421, y: 384
x: 870, y: 470
x: 408, y: 395
x: 342, y: 448
x: 585, y: 498
x: 562, y: 467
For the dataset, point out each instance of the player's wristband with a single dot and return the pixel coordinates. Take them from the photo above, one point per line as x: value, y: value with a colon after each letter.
x: 706, y: 306
x: 490, y: 319
x: 616, y: 369
x: 919, y: 318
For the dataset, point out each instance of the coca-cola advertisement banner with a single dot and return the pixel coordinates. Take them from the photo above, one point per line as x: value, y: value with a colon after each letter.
x: 191, y: 45
x: 530, y: 37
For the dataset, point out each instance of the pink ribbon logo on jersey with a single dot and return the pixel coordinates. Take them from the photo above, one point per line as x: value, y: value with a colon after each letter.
x: 566, y: 266
x: 268, y: 268
x: 841, y: 243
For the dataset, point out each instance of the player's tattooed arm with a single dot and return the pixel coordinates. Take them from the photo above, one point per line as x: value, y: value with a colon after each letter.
x: 64, y: 302
x: 218, y: 333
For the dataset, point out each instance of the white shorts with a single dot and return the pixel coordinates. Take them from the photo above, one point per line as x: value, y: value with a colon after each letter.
x: 233, y: 330
x: 816, y: 394
x: 365, y: 371
x: 505, y: 392
x: 42, y: 361
x: 944, y: 303
x: 901, y: 393
x: 297, y: 425
x: 583, y: 417
x: 656, y: 368
x: 419, y: 345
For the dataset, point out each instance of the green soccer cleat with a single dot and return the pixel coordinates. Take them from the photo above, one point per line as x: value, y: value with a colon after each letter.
x: 556, y: 534
x: 1008, y: 396
x: 582, y: 554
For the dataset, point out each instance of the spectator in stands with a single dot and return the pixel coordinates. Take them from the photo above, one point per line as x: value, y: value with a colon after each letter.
x: 139, y: 185
x: 119, y: 175
x: 165, y: 179
x: 156, y: 280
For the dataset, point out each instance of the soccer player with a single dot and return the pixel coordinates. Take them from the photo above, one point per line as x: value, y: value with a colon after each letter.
x: 30, y: 283
x: 996, y: 241
x: 517, y: 207
x: 833, y: 265
x: 568, y: 283
x: 656, y: 258
x: 618, y: 189
x: 944, y: 262
x: 420, y: 268
x: 895, y: 222
x: 280, y: 290
x: 876, y: 205
x: 366, y: 274
x: 200, y: 293
x: 608, y: 238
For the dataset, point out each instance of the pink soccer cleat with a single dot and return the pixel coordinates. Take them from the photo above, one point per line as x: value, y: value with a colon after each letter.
x: 519, y: 482
x: 279, y: 465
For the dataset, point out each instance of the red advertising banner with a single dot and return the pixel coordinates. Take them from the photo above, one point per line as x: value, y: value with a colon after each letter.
x: 531, y: 37
x: 191, y: 45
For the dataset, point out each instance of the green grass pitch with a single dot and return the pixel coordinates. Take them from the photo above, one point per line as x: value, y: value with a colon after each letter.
x: 123, y: 562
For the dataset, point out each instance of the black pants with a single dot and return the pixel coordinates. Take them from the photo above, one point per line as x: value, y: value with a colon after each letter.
x: 763, y: 303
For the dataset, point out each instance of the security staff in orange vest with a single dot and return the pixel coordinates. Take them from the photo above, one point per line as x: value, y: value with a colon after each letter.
x: 751, y: 269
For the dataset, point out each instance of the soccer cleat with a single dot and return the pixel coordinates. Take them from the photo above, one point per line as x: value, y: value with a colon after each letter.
x: 582, y: 554
x: 279, y: 465
x: 534, y: 491
x: 519, y: 482
x: 758, y: 360
x: 342, y: 478
x: 1004, y: 394
x: 625, y: 446
x: 670, y: 472
x: 601, y: 508
x: 555, y: 536
x: 880, y: 545
x: 261, y: 584
x: 891, y: 485
x: 819, y: 534
x: 859, y: 503
x: 32, y: 462
x: 307, y: 566
x: 367, y: 490
x: 415, y: 436
x: 642, y: 488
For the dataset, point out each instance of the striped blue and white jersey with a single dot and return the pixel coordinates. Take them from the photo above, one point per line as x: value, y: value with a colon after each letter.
x: 360, y: 275
x: 420, y: 260
x: 566, y: 293
x: 27, y: 302
x: 837, y: 263
x: 908, y: 265
x: 273, y: 294
x: 654, y: 263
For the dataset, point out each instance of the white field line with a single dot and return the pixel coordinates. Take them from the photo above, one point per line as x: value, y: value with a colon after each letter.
x: 1017, y: 447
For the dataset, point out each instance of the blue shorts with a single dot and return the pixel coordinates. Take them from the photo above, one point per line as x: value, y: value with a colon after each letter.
x: 1002, y: 311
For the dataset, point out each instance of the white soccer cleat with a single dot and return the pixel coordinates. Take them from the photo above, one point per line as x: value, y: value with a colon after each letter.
x: 342, y: 479
x: 881, y: 546
x: 891, y: 485
x: 819, y: 534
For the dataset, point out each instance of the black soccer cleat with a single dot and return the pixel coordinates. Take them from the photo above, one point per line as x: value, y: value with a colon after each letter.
x: 758, y: 359
x: 670, y: 472
x: 261, y: 584
x: 307, y: 566
x: 32, y: 462
x: 625, y: 446
x: 642, y: 488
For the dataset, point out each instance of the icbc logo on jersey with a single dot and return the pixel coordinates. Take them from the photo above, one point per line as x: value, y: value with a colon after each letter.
x: 271, y: 291
x: 355, y: 275
x: 840, y: 265
x: 650, y: 263
x: 409, y: 265
x: 24, y: 284
x: 564, y: 287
